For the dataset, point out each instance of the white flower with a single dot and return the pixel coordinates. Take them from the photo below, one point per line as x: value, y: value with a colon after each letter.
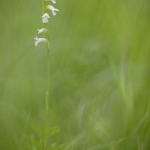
x: 38, y: 40
x: 45, y: 18
x: 42, y: 30
x: 54, y: 1
x: 52, y: 9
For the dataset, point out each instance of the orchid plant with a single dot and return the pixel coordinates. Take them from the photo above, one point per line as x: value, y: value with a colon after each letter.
x: 43, y: 130
x: 45, y: 20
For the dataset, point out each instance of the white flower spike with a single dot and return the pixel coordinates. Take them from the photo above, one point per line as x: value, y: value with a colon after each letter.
x: 52, y: 9
x: 38, y: 40
x: 45, y: 18
x: 42, y: 30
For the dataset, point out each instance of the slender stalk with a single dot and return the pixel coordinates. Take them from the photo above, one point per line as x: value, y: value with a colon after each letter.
x: 48, y: 84
x: 46, y: 35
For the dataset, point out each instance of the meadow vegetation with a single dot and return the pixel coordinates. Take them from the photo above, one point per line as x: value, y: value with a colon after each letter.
x: 100, y: 75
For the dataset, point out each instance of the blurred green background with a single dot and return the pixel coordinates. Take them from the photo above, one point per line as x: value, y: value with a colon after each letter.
x: 100, y: 69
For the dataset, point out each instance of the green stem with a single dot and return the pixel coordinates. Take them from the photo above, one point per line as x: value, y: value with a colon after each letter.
x: 48, y: 83
x: 46, y: 35
x: 48, y: 87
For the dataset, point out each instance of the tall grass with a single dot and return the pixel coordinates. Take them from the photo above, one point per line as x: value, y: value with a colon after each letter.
x: 99, y: 74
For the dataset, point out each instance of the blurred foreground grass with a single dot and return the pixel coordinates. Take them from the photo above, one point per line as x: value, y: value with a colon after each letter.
x: 99, y: 74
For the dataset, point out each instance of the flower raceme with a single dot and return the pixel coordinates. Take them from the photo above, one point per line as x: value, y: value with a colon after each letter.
x: 45, y: 18
x: 52, y: 9
x: 39, y: 40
